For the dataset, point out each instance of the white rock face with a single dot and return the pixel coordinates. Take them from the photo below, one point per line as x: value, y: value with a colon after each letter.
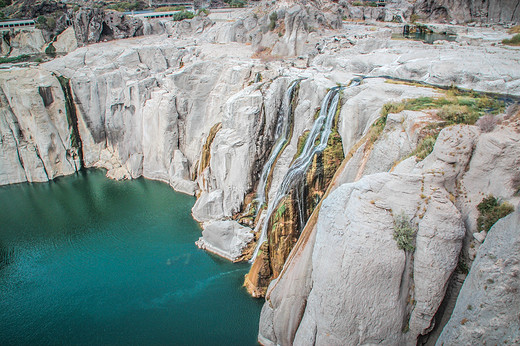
x: 26, y: 41
x: 36, y: 137
x: 225, y: 238
x: 361, y: 282
x: 66, y: 41
x: 488, y: 303
x: 360, y: 287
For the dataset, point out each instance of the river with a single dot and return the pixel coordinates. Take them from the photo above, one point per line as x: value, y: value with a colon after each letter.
x: 88, y: 260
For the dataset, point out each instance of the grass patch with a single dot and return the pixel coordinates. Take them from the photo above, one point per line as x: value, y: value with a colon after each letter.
x: 365, y: 3
x: 377, y: 127
x: 169, y: 8
x: 236, y: 3
x: 177, y: 17
x: 13, y: 59
x: 404, y: 233
x: 273, y: 18
x: 455, y: 107
x: 301, y: 144
x: 513, y: 41
x: 425, y: 147
x: 491, y: 211
x: 514, y: 30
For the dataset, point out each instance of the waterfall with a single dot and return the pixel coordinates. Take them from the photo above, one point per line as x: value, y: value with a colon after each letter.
x: 283, y: 129
x: 322, y: 127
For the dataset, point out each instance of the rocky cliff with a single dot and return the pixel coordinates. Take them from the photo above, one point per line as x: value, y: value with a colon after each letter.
x: 493, y: 11
x: 353, y: 186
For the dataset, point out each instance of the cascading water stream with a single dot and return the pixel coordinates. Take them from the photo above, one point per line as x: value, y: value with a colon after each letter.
x: 283, y: 129
x: 323, y: 127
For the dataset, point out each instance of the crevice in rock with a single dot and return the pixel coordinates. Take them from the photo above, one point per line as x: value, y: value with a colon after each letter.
x: 206, y: 149
x: 443, y: 314
x: 46, y: 95
x: 18, y: 153
x: 514, y: 11
x: 37, y: 151
x: 72, y: 118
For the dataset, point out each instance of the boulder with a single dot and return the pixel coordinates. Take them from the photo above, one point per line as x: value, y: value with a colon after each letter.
x: 487, y: 307
x: 225, y: 238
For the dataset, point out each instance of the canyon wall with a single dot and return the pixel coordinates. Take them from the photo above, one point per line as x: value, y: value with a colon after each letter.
x: 200, y: 107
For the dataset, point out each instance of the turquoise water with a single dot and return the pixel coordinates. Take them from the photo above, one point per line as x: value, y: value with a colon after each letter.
x: 87, y: 260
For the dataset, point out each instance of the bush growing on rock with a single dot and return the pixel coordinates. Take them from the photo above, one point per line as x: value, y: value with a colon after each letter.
x: 487, y: 123
x: 182, y: 15
x: 404, y: 233
x: 491, y: 211
x: 273, y: 17
x: 514, y: 41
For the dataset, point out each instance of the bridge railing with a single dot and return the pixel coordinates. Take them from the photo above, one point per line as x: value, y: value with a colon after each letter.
x: 16, y: 24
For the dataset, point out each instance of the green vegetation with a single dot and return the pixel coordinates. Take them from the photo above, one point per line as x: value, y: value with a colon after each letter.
x: 301, y: 143
x: 280, y: 211
x: 414, y: 18
x: 19, y: 58
x: 514, y: 41
x: 333, y: 154
x: 365, y: 3
x: 456, y: 107
x: 169, y: 8
x: 5, y: 3
x: 491, y: 211
x: 404, y: 233
x: 202, y: 10
x: 273, y: 17
x: 462, y: 267
x: 182, y: 15
x: 378, y: 126
x: 236, y: 3
x: 425, y: 147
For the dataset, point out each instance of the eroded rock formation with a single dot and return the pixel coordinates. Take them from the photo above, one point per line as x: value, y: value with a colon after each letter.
x: 198, y: 107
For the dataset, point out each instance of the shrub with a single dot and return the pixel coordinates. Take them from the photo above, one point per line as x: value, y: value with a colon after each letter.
x: 414, y: 18
x: 41, y: 20
x: 404, y: 233
x: 514, y: 30
x: 514, y: 41
x: 487, y: 123
x: 204, y: 11
x: 19, y: 58
x: 273, y: 17
x: 182, y: 15
x: 491, y: 211
x: 457, y: 114
x: 236, y: 3
x: 425, y: 147
x: 392, y: 107
x: 169, y: 8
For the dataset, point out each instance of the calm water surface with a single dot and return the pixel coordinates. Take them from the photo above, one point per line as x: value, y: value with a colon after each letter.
x: 87, y: 260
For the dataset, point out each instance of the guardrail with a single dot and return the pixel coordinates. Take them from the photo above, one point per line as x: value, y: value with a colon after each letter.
x: 16, y: 24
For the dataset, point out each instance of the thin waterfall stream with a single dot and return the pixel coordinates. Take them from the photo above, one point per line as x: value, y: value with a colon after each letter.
x: 282, y: 132
x: 322, y: 127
